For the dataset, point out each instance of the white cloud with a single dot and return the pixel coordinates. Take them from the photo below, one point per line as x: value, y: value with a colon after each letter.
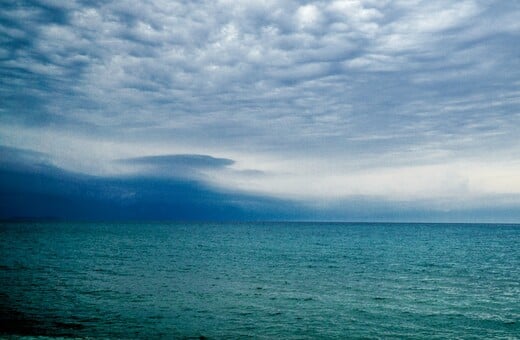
x: 308, y: 16
x: 354, y: 10
x: 366, y: 96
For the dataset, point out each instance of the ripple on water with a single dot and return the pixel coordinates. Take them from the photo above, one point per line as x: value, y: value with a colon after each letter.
x: 261, y: 281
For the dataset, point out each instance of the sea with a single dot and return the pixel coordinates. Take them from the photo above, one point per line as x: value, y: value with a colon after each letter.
x: 259, y: 280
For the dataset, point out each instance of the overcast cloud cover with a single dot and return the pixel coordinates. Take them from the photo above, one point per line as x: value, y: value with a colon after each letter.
x: 341, y: 109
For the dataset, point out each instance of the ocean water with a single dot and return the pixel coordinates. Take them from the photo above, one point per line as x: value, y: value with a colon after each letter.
x: 260, y: 280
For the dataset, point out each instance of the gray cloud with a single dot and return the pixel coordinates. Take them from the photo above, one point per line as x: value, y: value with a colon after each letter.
x: 176, y: 165
x: 14, y: 157
x: 195, y: 161
x: 356, y: 84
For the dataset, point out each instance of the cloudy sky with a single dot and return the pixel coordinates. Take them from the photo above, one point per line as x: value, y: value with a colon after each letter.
x: 232, y: 109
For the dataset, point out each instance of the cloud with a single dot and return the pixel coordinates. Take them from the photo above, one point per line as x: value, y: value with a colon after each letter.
x: 37, y: 189
x: 189, y: 166
x: 190, y: 161
x: 296, y: 93
x: 30, y: 187
x: 15, y: 156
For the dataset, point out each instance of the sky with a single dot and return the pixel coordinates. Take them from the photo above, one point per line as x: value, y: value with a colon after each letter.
x: 403, y: 110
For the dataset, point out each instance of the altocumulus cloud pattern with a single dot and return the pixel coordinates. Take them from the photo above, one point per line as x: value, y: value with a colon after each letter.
x: 353, y: 109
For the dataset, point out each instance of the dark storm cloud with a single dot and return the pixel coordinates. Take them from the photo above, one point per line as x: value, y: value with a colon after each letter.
x: 32, y: 188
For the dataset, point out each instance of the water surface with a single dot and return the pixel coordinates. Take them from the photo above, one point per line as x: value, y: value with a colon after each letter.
x: 260, y: 280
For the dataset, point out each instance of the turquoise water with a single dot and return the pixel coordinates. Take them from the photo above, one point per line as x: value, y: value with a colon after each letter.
x: 260, y: 280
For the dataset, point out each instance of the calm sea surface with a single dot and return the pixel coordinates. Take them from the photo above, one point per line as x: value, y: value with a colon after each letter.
x: 260, y: 280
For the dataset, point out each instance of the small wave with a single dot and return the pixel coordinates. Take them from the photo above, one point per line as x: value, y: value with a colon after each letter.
x: 69, y: 325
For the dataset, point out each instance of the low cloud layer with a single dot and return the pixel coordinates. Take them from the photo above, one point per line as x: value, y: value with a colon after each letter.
x: 31, y: 188
x: 317, y: 101
x: 176, y: 166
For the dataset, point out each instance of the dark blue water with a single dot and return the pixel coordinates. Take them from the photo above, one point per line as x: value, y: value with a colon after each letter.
x: 260, y: 280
